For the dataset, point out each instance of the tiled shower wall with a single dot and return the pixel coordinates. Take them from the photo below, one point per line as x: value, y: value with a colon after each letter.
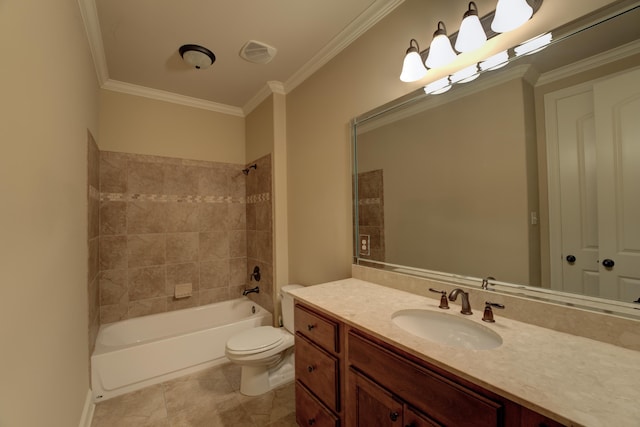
x: 371, y: 214
x: 93, y: 238
x: 166, y: 221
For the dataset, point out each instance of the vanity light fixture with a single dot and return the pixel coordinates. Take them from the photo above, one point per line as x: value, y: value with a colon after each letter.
x: 440, y: 52
x: 511, y: 14
x: 439, y: 86
x: 197, y: 56
x: 471, y: 35
x: 413, y: 68
x: 494, y: 62
x: 533, y: 45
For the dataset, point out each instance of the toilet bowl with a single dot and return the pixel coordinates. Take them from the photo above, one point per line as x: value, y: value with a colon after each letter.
x: 265, y: 353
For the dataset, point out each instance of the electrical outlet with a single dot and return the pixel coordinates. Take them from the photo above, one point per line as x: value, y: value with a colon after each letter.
x: 365, y: 243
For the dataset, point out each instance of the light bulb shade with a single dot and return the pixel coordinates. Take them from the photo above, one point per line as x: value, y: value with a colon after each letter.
x: 471, y: 35
x: 197, y: 56
x: 533, y: 45
x: 412, y: 68
x: 465, y: 75
x: 440, y: 52
x: 510, y: 14
x: 438, y: 87
x: 494, y: 62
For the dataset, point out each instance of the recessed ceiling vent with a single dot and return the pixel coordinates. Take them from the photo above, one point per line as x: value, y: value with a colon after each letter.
x: 257, y: 52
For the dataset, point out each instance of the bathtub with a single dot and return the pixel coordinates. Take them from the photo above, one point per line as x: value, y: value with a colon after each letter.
x: 147, y: 350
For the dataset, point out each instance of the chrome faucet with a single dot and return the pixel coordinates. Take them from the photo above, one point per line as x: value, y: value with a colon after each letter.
x: 251, y: 290
x: 466, y: 307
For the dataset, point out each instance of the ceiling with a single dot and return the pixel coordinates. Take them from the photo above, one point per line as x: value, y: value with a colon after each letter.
x: 135, y: 45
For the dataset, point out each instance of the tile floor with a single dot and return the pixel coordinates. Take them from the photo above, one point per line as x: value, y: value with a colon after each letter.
x: 209, y: 398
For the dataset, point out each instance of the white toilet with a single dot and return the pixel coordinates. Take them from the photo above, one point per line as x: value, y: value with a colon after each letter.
x: 265, y: 353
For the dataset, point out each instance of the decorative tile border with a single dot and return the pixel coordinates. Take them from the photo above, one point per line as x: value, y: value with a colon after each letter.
x: 371, y: 201
x: 257, y: 198
x: 166, y: 198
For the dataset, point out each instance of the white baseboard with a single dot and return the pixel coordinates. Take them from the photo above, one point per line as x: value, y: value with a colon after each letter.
x: 87, y: 411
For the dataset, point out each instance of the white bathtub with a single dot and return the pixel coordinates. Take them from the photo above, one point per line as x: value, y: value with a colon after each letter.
x: 139, y: 352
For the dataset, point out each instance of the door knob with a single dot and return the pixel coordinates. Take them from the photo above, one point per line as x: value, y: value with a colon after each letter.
x: 571, y: 259
x: 608, y: 263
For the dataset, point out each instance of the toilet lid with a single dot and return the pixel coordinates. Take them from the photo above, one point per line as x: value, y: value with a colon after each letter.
x: 255, y: 340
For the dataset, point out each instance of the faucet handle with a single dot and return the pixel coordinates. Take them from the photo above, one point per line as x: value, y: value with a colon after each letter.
x: 444, y: 303
x: 487, y: 316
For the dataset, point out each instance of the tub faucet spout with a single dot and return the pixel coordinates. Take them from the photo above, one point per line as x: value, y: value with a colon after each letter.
x: 251, y: 290
x: 466, y: 307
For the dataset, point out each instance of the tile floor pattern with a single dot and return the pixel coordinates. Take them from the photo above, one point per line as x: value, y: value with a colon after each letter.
x: 209, y: 398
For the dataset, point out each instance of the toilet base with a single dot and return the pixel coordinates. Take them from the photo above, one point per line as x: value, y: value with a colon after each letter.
x: 257, y: 380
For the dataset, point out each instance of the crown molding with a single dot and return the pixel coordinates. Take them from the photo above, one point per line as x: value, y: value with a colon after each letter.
x: 174, y: 98
x: 89, y: 14
x: 378, y: 10
x: 355, y: 29
x: 615, y: 54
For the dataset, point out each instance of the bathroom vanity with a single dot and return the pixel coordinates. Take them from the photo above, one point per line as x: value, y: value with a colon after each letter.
x: 355, y: 367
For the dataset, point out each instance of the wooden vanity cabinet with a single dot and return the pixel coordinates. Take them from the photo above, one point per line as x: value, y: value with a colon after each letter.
x: 319, y: 367
x: 345, y: 377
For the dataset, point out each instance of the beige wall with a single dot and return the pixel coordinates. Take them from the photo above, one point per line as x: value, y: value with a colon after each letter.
x: 49, y: 99
x: 259, y: 131
x: 362, y: 77
x: 134, y: 124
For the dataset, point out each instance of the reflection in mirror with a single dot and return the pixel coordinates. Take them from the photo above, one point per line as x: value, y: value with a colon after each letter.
x: 528, y: 174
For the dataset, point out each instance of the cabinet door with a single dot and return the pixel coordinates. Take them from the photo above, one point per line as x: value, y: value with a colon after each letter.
x: 533, y: 419
x: 373, y: 405
x: 413, y: 418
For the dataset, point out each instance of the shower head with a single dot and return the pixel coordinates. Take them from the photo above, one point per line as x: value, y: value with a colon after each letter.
x: 246, y: 171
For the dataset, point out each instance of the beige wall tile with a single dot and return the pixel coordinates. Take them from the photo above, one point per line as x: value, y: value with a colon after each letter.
x: 264, y: 245
x: 214, y: 274
x: 145, y: 249
x: 213, y: 217
x: 114, y: 313
x: 113, y: 172
x: 251, y: 216
x: 181, y: 180
x: 263, y: 216
x: 252, y: 244
x: 146, y: 217
x: 213, y: 181
x: 210, y: 296
x: 182, y: 217
x: 145, y: 177
x: 179, y: 304
x: 214, y: 245
x: 237, y: 243
x: 93, y: 261
x: 182, y: 247
x: 113, y: 252
x: 113, y: 287
x: 147, y: 282
x: 238, y: 275
x: 147, y: 306
x: 93, y: 210
x: 113, y: 218
x: 237, y: 216
x: 182, y: 273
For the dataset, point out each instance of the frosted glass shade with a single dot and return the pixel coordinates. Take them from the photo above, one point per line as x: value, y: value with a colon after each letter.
x: 510, y: 14
x: 440, y: 52
x: 494, y: 62
x: 471, y: 35
x: 465, y: 75
x: 412, y: 69
x: 438, y: 87
x: 534, y: 45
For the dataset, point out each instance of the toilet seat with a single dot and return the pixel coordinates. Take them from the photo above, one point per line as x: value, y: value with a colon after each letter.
x: 255, y: 340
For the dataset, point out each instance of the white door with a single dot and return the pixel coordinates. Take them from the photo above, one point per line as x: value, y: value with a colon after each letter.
x: 617, y: 112
x: 593, y: 132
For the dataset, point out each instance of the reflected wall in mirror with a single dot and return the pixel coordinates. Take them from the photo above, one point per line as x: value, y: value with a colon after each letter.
x: 529, y: 174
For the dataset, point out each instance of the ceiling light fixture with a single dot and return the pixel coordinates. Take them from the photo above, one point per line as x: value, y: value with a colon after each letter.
x: 533, y: 45
x: 439, y: 86
x: 511, y: 14
x: 471, y: 35
x: 197, y: 56
x: 413, y: 68
x: 494, y: 62
x: 440, y: 52
x: 465, y: 75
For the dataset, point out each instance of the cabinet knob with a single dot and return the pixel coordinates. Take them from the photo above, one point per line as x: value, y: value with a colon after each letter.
x: 310, y: 327
x: 311, y: 368
x: 311, y: 421
x: 394, y: 416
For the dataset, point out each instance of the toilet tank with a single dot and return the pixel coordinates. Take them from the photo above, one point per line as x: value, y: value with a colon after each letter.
x: 287, y: 306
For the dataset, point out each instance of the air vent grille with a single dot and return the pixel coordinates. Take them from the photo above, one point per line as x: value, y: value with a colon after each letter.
x: 257, y: 52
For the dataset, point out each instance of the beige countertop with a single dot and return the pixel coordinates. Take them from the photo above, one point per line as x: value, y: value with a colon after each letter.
x: 566, y: 377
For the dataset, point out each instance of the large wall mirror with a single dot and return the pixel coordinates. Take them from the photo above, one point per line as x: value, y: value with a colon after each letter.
x: 529, y: 174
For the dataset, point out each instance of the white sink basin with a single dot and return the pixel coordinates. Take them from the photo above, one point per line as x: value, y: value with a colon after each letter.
x: 447, y: 329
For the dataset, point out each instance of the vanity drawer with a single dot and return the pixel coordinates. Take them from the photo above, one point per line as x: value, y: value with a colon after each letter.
x: 447, y: 402
x: 318, y: 371
x: 310, y: 412
x: 318, y: 329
